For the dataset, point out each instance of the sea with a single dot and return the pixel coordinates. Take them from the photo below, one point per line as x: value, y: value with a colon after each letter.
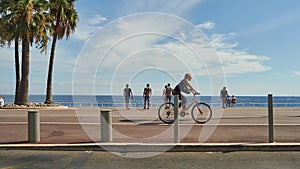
x: 137, y: 101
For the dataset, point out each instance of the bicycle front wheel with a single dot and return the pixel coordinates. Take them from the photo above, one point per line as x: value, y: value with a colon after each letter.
x: 166, y: 113
x: 201, y: 113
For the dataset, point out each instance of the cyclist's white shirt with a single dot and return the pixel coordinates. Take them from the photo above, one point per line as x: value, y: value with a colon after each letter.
x: 184, y: 87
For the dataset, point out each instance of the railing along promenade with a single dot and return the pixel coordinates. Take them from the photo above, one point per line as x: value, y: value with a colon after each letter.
x: 141, y: 104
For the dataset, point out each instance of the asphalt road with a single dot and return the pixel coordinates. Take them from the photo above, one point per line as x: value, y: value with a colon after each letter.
x: 77, y: 159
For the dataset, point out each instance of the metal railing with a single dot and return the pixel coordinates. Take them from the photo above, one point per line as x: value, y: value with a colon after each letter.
x: 156, y: 104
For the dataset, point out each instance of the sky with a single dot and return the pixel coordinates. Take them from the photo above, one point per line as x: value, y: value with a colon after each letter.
x: 251, y: 47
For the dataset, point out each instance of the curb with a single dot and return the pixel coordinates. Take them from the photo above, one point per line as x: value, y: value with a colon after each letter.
x: 139, y: 147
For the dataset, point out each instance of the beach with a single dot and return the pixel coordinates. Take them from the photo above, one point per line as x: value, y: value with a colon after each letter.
x: 82, y: 125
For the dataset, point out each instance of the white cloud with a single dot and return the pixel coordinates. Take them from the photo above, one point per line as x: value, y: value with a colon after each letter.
x: 297, y: 73
x: 236, y: 61
x: 220, y: 41
x: 207, y: 25
x: 143, y: 42
x: 96, y: 19
x: 88, y: 25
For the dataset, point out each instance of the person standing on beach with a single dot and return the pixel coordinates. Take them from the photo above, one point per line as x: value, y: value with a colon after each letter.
x: 228, y: 101
x: 147, y: 94
x: 223, y: 95
x: 1, y: 102
x: 127, y: 94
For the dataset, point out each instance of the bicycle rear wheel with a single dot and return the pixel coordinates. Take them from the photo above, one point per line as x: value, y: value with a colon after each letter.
x: 201, y: 113
x: 166, y: 113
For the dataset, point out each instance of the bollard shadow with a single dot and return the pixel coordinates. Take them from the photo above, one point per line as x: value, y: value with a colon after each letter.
x: 135, y: 121
x: 292, y: 116
x: 245, y: 117
x: 17, y: 142
x: 149, y: 124
x: 85, y: 142
x: 127, y: 121
x: 141, y: 122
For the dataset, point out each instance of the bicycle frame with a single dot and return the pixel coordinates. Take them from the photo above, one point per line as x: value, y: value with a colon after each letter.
x: 190, y: 103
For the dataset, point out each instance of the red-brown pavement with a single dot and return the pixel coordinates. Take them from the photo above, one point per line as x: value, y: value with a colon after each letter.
x: 71, y: 126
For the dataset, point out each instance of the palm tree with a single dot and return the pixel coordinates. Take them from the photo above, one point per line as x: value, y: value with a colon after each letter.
x: 27, y: 20
x: 64, y: 24
x: 8, y: 33
x: 36, y: 27
x: 17, y: 71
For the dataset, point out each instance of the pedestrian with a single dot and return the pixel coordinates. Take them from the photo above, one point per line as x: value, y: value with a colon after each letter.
x: 223, y: 95
x: 147, y: 94
x: 164, y: 94
x: 1, y: 102
x: 168, y: 93
x: 127, y: 92
x: 233, y: 100
x: 228, y: 101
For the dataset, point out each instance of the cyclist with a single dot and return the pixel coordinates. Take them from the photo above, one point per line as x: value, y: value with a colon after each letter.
x: 184, y: 86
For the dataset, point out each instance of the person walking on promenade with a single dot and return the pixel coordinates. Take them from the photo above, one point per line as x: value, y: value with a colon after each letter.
x: 147, y: 94
x: 184, y: 86
x: 127, y: 92
x: 233, y: 100
x: 164, y: 94
x: 168, y: 93
x: 223, y: 95
x: 1, y: 102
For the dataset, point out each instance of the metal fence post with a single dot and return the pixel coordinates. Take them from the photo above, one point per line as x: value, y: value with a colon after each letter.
x: 33, y: 126
x: 176, y: 122
x: 270, y: 117
x: 106, y: 125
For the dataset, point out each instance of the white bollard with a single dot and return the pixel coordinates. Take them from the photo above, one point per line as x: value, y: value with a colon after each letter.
x: 33, y: 126
x: 106, y: 125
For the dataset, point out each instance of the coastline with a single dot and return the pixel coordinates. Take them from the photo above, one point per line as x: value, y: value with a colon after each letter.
x: 118, y: 101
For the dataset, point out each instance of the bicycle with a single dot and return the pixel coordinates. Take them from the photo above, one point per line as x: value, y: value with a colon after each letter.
x: 201, y: 112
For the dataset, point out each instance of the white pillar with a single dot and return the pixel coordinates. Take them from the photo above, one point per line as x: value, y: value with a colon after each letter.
x: 33, y: 126
x: 106, y: 125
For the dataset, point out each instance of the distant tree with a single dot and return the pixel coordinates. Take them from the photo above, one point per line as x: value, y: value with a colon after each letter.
x: 64, y: 23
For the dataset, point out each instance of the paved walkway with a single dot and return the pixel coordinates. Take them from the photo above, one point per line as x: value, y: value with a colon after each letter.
x: 243, y: 129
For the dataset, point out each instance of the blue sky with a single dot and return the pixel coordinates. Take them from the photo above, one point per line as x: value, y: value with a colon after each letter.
x: 252, y: 47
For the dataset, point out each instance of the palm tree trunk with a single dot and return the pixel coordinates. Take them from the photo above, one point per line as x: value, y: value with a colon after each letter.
x: 25, y: 70
x: 17, y: 68
x: 50, y: 71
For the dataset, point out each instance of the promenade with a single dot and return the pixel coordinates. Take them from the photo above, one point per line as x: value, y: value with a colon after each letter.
x: 82, y: 125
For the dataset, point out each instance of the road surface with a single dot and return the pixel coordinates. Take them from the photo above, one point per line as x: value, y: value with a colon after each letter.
x: 195, y: 160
